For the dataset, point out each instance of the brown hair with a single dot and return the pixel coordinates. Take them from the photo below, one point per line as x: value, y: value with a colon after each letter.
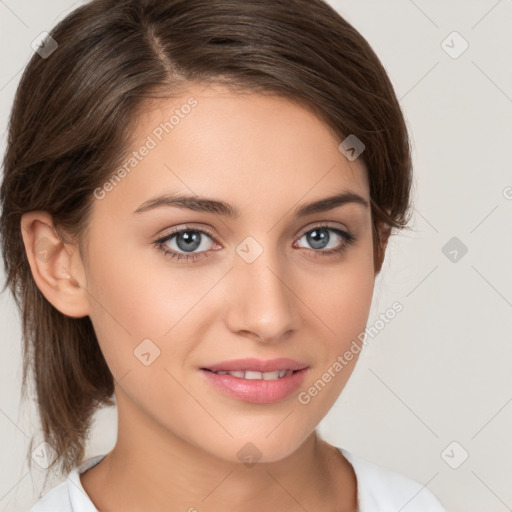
x: 70, y: 127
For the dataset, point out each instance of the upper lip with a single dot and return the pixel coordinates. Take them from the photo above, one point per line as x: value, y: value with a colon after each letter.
x: 257, y: 365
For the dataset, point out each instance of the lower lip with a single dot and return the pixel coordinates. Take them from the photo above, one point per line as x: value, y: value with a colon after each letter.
x: 256, y: 391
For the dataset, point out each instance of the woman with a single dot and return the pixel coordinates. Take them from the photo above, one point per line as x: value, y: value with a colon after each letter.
x: 220, y: 180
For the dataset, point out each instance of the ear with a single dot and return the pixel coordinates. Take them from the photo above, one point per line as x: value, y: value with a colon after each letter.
x: 57, y: 268
x: 381, y: 233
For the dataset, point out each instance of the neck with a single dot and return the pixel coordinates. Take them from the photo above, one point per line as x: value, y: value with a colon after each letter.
x: 151, y: 469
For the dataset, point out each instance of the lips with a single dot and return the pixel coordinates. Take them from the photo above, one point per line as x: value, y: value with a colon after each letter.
x: 256, y: 381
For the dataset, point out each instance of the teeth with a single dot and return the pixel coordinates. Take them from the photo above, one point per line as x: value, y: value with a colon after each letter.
x: 253, y: 375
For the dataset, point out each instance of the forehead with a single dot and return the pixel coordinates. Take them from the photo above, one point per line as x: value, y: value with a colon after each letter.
x: 244, y: 147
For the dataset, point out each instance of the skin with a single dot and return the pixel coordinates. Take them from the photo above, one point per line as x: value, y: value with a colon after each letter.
x: 178, y: 437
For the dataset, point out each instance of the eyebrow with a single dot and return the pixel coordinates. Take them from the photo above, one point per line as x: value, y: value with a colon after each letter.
x: 201, y: 204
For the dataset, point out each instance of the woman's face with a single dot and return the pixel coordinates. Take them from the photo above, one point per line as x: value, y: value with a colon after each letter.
x: 257, y: 286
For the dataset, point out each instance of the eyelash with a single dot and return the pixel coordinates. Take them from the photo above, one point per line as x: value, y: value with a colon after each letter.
x: 349, y: 239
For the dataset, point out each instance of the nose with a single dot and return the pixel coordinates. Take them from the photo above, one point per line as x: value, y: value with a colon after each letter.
x: 263, y: 305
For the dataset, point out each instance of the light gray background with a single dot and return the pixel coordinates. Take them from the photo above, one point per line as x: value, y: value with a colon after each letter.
x: 440, y: 371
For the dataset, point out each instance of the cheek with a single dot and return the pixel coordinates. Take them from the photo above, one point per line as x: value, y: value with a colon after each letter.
x: 135, y: 297
x: 343, y: 308
x: 340, y: 296
x: 346, y: 306
x: 127, y: 305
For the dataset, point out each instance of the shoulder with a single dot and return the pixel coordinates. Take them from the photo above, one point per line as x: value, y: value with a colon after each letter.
x: 381, y: 489
x: 56, y: 499
x: 69, y: 496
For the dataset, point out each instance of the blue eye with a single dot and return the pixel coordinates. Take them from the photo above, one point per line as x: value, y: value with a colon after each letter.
x: 319, y: 238
x: 186, y: 239
x: 190, y: 239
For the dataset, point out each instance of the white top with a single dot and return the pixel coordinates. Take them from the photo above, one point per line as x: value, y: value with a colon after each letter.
x: 378, y: 490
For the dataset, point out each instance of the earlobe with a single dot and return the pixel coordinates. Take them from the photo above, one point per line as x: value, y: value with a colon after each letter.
x: 56, y: 267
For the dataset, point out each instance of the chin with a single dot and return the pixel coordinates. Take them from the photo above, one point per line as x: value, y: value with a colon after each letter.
x: 249, y: 450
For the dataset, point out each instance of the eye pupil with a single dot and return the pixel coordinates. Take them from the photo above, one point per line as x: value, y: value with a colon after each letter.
x: 318, y: 238
x: 187, y: 241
